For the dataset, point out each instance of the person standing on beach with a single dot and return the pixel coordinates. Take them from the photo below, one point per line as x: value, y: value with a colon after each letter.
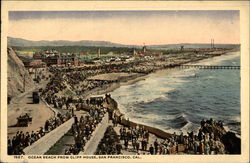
x: 201, y: 147
x: 134, y: 143
x: 118, y: 148
x: 137, y: 146
x: 151, y: 149
x: 144, y: 144
x: 181, y: 141
x: 121, y: 133
x: 156, y: 144
x: 147, y: 135
x: 126, y: 143
x: 75, y: 118
x: 196, y: 145
x: 207, y: 149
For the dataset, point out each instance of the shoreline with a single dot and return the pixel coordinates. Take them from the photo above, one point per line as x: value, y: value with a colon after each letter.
x: 111, y: 87
x: 126, y: 82
x: 129, y: 81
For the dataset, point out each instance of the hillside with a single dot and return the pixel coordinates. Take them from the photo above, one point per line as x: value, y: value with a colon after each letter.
x: 19, y: 42
x: 16, y: 71
x: 22, y: 42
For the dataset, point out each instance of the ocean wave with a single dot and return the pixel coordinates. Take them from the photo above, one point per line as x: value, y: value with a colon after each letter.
x: 193, y: 75
x: 209, y: 77
x: 189, y: 127
x: 141, y: 94
x: 235, y: 118
x: 175, y: 104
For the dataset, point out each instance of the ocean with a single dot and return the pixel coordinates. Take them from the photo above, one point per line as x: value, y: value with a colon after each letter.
x: 177, y: 100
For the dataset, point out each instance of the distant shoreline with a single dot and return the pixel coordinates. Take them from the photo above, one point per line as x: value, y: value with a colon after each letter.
x: 132, y: 80
x: 135, y: 79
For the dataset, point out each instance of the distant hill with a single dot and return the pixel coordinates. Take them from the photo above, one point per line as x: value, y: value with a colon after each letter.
x: 22, y: 42
x: 28, y: 43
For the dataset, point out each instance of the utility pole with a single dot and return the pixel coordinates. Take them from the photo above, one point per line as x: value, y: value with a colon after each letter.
x: 98, y: 53
x: 212, y: 43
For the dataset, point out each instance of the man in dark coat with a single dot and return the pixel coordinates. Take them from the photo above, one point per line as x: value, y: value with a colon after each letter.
x: 126, y: 143
x: 156, y: 146
x: 118, y: 148
x: 76, y: 120
x: 151, y: 149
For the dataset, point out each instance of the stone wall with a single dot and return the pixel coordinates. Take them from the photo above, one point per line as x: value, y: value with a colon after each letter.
x: 113, y: 106
x: 48, y: 140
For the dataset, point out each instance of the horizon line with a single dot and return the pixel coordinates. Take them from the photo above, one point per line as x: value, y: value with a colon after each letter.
x: 127, y: 44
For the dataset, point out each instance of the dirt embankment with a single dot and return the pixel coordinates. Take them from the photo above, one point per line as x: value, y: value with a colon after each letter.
x: 17, y: 75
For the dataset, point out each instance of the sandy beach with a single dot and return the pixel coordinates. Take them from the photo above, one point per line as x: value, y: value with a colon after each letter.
x: 128, y: 79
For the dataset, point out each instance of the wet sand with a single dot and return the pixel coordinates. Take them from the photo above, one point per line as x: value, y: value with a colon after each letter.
x: 111, y: 87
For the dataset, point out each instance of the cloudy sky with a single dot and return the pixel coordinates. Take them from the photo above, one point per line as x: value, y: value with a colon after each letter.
x: 127, y: 27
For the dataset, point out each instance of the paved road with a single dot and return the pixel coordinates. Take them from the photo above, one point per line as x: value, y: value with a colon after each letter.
x: 22, y: 104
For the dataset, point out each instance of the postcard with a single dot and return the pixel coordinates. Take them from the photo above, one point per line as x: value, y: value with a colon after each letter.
x: 135, y: 81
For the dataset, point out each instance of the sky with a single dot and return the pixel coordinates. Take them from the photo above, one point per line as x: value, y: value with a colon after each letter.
x: 152, y: 27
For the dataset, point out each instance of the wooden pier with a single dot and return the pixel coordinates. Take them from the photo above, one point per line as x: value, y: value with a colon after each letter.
x: 205, y: 66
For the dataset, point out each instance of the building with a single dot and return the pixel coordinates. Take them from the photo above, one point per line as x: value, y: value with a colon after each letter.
x: 52, y: 57
x: 34, y: 63
x: 83, y: 53
x: 66, y: 60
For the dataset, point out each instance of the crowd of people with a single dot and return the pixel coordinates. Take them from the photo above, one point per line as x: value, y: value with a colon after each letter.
x: 76, y: 79
x: 88, y: 85
x: 137, y: 140
x: 110, y: 143
x: 56, y: 121
x: 83, y: 128
x: 207, y: 141
x: 137, y: 136
x: 22, y: 140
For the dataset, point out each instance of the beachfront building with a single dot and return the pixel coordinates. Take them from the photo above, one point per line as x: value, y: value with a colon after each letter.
x: 52, y: 57
x: 66, y: 60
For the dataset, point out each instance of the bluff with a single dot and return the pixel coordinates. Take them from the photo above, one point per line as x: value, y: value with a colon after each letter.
x: 16, y: 73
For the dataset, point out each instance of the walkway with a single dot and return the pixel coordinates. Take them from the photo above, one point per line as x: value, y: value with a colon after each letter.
x: 97, y: 136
